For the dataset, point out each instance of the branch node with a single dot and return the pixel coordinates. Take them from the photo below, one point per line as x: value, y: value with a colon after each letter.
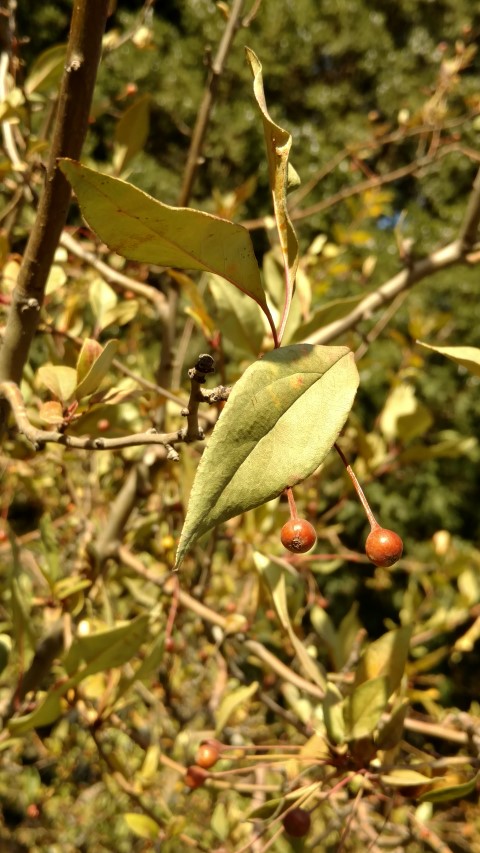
x: 29, y: 304
x: 172, y: 453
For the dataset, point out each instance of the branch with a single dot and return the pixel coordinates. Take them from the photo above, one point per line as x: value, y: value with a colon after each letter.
x: 39, y: 437
x: 83, y: 55
x: 203, y: 116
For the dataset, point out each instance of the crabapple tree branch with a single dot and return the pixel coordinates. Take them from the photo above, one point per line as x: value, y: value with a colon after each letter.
x: 76, y: 90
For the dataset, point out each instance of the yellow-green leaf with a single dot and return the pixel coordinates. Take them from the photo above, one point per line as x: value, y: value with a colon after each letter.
x: 279, y: 423
x: 468, y: 357
x: 131, y: 132
x: 140, y: 228
x: 451, y: 792
x: 98, y: 369
x: 231, y: 702
x: 142, y: 825
x: 60, y: 380
x: 364, y: 707
x: 386, y: 656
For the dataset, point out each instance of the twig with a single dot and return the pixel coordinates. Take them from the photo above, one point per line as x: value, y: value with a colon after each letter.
x: 156, y: 297
x: 39, y: 437
x: 203, y: 116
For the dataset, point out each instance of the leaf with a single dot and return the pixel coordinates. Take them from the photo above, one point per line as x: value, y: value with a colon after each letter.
x: 59, y: 380
x: 386, y: 656
x: 140, y: 228
x: 131, y: 132
x: 403, y: 416
x: 198, y: 310
x: 391, y: 732
x: 278, y: 142
x: 238, y: 317
x: 51, y: 413
x: 5, y: 649
x: 324, y: 627
x: 47, y: 70
x: 333, y: 716
x: 106, y: 649
x: 274, y: 576
x: 99, y: 368
x: 404, y: 777
x: 45, y: 714
x: 220, y: 823
x: 468, y: 357
x: 142, y: 825
x: 279, y: 423
x: 231, y: 702
x: 102, y: 299
x: 88, y: 354
x: 364, y: 707
x: 450, y: 792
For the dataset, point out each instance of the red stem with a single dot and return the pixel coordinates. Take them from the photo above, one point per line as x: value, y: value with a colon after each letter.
x: 291, y: 504
x: 371, y: 518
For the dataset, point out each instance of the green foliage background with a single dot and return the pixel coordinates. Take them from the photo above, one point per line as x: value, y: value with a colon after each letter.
x: 334, y: 73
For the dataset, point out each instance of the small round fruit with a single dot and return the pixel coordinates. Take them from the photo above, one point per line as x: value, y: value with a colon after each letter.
x: 207, y: 755
x: 195, y: 776
x: 297, y: 823
x: 298, y: 535
x: 383, y: 547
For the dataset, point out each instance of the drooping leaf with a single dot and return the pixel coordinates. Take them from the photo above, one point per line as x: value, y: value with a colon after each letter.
x: 197, y: 308
x: 386, y: 656
x: 59, y: 379
x: 131, y: 132
x: 275, y: 579
x: 140, y: 228
x: 99, y: 368
x: 231, y: 702
x: 364, y: 707
x: 279, y: 423
x: 278, y: 143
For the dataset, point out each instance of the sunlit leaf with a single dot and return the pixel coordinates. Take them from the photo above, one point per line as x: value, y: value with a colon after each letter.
x: 60, y: 380
x: 51, y: 413
x: 142, y: 825
x: 106, y: 649
x: 103, y: 299
x: 468, y: 357
x: 327, y: 313
x: 140, y: 228
x: 333, y: 715
x: 279, y: 423
x: 404, y: 777
x: 386, y: 656
x: 231, y: 702
x: 99, y: 368
x: 364, y: 707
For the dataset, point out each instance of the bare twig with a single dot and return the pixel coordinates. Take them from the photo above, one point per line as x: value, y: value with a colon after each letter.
x: 203, y: 116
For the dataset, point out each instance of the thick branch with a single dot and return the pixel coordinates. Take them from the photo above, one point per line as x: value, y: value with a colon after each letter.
x: 83, y: 55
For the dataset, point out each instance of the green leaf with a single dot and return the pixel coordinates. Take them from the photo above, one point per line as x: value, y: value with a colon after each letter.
x: 47, y: 70
x: 231, y: 702
x: 333, y: 716
x: 279, y: 423
x: 140, y: 228
x: 278, y: 143
x: 45, y: 714
x: 50, y: 548
x: 386, y: 656
x: 468, y: 357
x: 59, y: 380
x: 106, y: 649
x: 103, y: 300
x: 99, y: 368
x: 131, y: 132
x: 220, y: 823
x: 142, y: 825
x: 238, y: 317
x: 274, y: 576
x: 364, y: 707
x: 87, y: 356
x: 5, y: 649
x: 391, y: 732
x: 450, y: 792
